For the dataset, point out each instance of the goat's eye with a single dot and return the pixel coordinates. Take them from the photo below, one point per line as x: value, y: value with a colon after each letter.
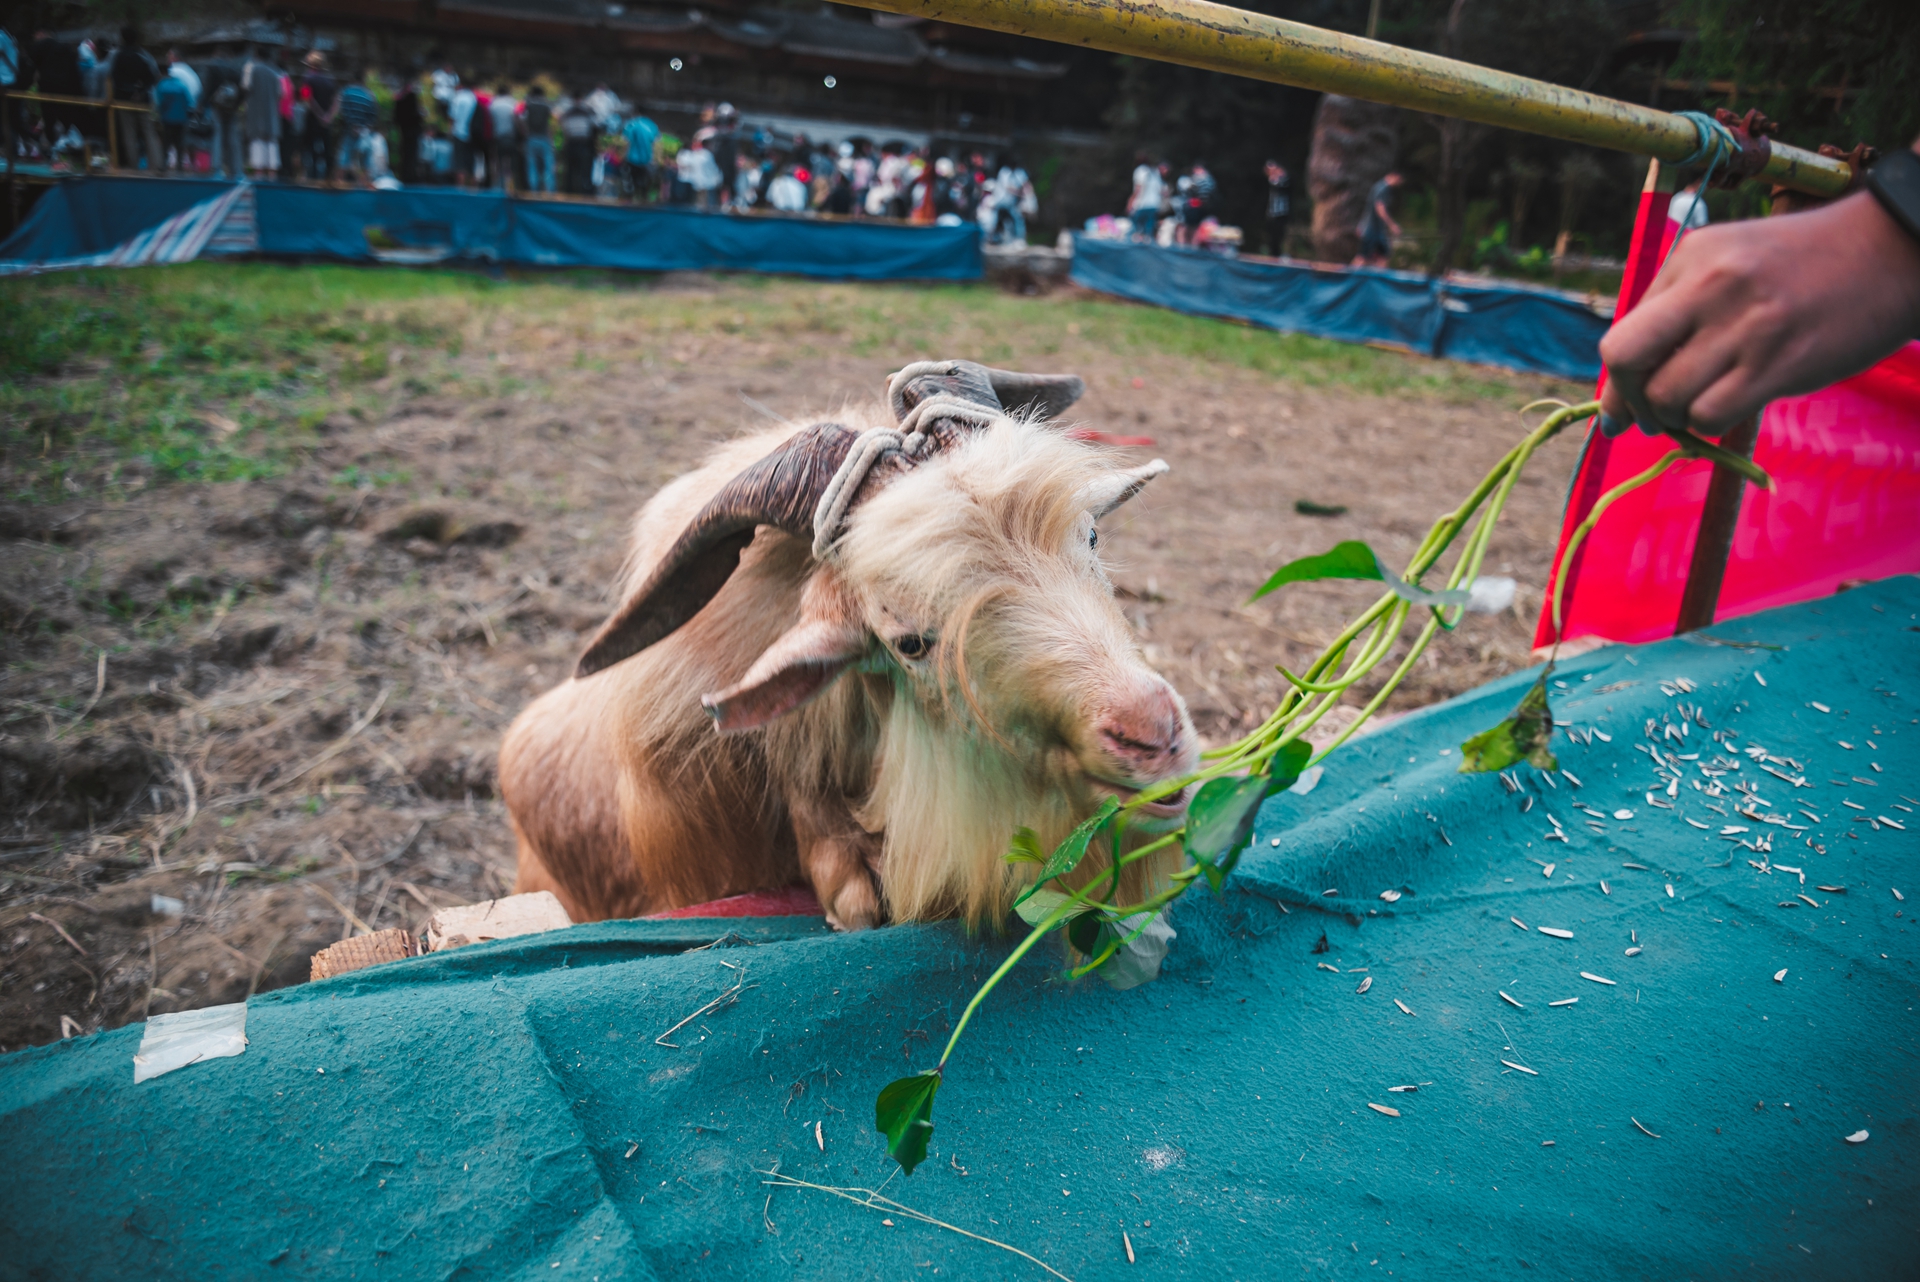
x: 914, y: 645
x: 1093, y: 536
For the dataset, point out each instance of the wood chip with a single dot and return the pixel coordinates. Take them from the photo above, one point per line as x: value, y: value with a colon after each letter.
x: 1780, y: 976
x: 1324, y: 966
x: 1897, y: 895
x: 1564, y: 1001
x: 1521, y: 924
x: 819, y: 1138
x: 1643, y: 1130
x: 1858, y: 1137
x: 1670, y: 894
x: 1403, y: 1006
x: 1819, y: 707
x: 1519, y: 1068
x: 1604, y: 888
x: 1390, y: 896
x: 1833, y: 890
x: 1598, y: 979
x: 1757, y: 677
x: 1634, y: 951
x: 1129, y: 1242
x: 1547, y: 870
x: 1623, y: 814
x: 1365, y: 984
x: 1382, y: 1108
x: 1510, y: 1001
x: 1556, y: 932
x: 1810, y: 901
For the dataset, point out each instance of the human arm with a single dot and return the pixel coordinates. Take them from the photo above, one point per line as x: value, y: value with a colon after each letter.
x: 1746, y: 312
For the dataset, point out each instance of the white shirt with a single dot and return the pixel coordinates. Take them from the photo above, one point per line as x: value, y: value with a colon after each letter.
x: 787, y: 194
x: 460, y: 112
x: 1149, y: 192
x: 190, y: 78
x: 1689, y: 209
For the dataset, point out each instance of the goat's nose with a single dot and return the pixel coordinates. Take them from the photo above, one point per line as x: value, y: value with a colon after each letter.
x: 1147, y: 733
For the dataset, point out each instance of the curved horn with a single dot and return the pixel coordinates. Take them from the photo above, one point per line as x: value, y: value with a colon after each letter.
x: 781, y: 489
x: 1004, y: 390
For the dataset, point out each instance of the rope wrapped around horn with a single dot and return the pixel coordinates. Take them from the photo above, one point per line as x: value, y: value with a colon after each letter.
x: 810, y: 483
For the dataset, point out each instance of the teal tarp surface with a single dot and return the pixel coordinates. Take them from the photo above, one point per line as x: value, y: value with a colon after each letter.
x: 506, y: 1111
x: 1508, y: 325
x: 95, y: 214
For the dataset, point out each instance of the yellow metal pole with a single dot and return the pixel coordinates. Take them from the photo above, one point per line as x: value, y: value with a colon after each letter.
x: 1197, y: 33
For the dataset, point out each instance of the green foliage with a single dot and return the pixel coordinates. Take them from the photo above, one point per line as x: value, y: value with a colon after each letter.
x: 1068, y: 854
x: 904, y: 1114
x: 1221, y: 815
x: 1524, y: 736
x: 1793, y: 60
x: 1355, y: 560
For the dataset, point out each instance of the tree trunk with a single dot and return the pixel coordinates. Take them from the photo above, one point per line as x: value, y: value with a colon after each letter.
x: 1456, y: 140
x: 1353, y: 147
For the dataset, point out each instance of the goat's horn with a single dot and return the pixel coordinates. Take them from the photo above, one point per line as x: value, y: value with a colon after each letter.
x: 996, y: 389
x: 781, y: 489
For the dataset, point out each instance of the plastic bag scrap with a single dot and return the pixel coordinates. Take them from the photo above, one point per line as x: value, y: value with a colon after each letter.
x: 189, y: 1036
x: 1138, y: 960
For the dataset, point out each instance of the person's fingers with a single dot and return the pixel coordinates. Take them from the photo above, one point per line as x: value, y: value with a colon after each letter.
x: 1643, y: 338
x: 1732, y: 398
x: 1613, y: 406
x: 1632, y: 389
x: 1690, y: 370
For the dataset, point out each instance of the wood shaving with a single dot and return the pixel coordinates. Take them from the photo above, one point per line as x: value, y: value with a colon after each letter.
x: 1403, y: 1006
x: 1858, y: 1137
x: 1365, y: 984
x: 1811, y: 902
x: 1832, y: 890
x: 1604, y: 888
x: 1598, y: 979
x: 1564, y: 1001
x: 1510, y: 1001
x: 1643, y: 1130
x: 1556, y: 932
x: 1522, y: 1068
x: 1521, y: 924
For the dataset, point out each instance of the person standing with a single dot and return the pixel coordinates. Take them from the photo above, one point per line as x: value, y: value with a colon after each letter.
x: 1197, y: 188
x: 293, y: 116
x: 132, y: 74
x: 640, y: 135
x: 504, y: 111
x: 1279, y: 209
x: 172, y: 104
x: 576, y: 134
x: 409, y: 120
x: 1377, y: 228
x: 320, y: 94
x: 539, y: 125
x: 261, y: 89
x: 221, y: 96
x: 359, y: 116
x: 1149, y: 195
x: 461, y: 108
x: 725, y: 146
x: 178, y: 68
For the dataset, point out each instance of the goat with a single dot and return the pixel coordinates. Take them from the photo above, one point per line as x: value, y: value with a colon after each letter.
x: 908, y: 645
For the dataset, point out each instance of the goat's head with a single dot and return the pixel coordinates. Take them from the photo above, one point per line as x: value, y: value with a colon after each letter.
x: 961, y: 558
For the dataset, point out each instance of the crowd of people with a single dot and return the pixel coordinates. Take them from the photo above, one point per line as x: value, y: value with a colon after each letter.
x: 275, y: 113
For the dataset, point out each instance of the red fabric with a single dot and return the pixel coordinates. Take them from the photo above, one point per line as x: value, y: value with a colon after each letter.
x: 788, y: 901
x: 1845, y: 459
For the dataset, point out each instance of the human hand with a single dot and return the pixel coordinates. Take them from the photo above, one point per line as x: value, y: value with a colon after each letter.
x: 1747, y: 312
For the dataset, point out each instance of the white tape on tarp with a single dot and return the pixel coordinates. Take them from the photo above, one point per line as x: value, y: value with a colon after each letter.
x: 189, y: 1036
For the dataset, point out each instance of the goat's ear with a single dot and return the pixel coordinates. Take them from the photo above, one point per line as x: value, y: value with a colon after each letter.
x: 803, y: 661
x: 1109, y: 492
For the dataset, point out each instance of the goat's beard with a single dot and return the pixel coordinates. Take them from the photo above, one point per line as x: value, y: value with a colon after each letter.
x: 948, y: 799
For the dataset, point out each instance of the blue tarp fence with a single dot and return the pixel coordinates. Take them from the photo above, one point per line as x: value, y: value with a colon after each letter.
x: 1519, y: 328
x: 93, y: 215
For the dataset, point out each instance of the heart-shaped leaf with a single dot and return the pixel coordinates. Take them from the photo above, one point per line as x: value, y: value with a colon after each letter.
x: 1088, y: 932
x: 1033, y: 908
x: 1524, y: 736
x: 904, y: 1114
x: 1355, y: 560
x: 1068, y: 854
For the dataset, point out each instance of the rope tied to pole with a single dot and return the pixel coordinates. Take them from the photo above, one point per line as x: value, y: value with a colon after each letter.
x: 1717, y: 143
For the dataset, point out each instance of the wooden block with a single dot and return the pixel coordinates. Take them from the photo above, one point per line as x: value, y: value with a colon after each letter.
x: 495, y: 919
x: 362, y: 951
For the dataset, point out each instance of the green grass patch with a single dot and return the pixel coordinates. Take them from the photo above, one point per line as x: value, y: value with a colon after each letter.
x: 113, y: 380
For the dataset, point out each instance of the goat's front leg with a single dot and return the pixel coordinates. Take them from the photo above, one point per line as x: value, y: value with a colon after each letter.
x: 840, y: 858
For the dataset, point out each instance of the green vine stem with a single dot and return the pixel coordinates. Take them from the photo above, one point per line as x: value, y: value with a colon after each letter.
x: 1234, y: 779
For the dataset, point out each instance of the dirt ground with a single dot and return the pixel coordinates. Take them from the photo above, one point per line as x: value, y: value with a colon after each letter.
x: 243, y: 719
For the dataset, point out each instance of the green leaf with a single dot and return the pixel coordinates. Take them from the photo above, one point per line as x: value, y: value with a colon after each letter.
x: 1068, y: 854
x: 1034, y: 906
x: 1087, y: 932
x: 1524, y: 736
x: 1025, y: 848
x: 1355, y: 560
x: 1222, y: 815
x: 1287, y: 765
x: 903, y: 1112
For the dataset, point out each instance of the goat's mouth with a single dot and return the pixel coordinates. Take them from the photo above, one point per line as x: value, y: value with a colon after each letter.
x: 1171, y: 806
